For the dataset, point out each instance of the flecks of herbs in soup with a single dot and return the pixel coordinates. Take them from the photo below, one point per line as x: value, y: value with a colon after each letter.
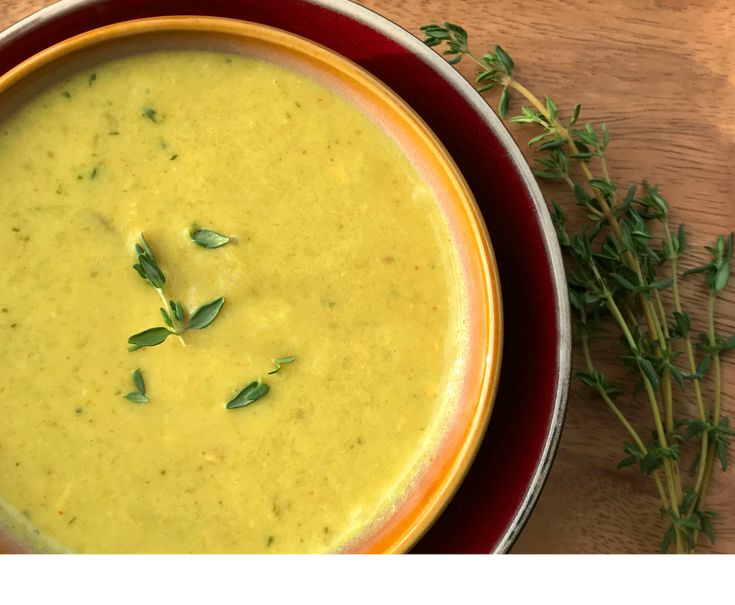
x: 337, y: 255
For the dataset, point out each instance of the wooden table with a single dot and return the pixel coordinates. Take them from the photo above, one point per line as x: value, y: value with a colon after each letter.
x: 661, y: 73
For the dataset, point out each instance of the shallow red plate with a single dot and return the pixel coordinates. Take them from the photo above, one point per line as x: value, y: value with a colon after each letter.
x: 502, y: 486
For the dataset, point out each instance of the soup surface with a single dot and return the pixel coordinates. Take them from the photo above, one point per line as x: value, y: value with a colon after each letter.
x: 340, y: 257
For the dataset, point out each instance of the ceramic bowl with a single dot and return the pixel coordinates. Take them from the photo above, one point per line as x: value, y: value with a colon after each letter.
x: 499, y: 492
x: 433, y: 487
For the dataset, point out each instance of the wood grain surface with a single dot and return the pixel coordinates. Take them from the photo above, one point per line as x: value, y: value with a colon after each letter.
x: 661, y: 73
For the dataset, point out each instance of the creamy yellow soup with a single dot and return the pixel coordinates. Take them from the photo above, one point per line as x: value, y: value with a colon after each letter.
x: 339, y: 256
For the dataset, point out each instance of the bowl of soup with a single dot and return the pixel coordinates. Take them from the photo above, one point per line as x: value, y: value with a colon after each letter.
x: 249, y: 304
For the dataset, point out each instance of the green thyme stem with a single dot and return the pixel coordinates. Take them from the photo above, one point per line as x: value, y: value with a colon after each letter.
x: 715, y: 357
x: 696, y: 383
x: 666, y: 382
x: 687, y: 339
x: 653, y: 320
x: 669, y: 423
x: 629, y: 312
x: 479, y: 63
x: 710, y: 459
x: 603, y: 165
x: 666, y: 393
x: 661, y: 314
x: 709, y: 464
x: 614, y: 310
x: 564, y: 134
x: 701, y: 472
x: 668, y: 467
x: 623, y: 420
x: 717, y: 386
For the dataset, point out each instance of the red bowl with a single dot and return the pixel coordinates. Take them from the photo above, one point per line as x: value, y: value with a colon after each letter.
x: 501, y: 488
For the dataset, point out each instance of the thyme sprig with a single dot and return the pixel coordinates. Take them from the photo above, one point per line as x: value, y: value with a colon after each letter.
x: 177, y: 320
x: 618, y: 266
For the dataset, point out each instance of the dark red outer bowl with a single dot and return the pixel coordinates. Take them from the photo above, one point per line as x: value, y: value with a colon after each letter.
x: 503, y: 484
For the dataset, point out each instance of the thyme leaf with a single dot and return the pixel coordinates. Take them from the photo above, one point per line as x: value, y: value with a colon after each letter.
x: 166, y: 318
x: 208, y: 239
x: 136, y: 397
x: 149, y: 338
x: 138, y: 381
x: 150, y: 272
x: 206, y: 314
x: 251, y: 393
x: 177, y: 310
